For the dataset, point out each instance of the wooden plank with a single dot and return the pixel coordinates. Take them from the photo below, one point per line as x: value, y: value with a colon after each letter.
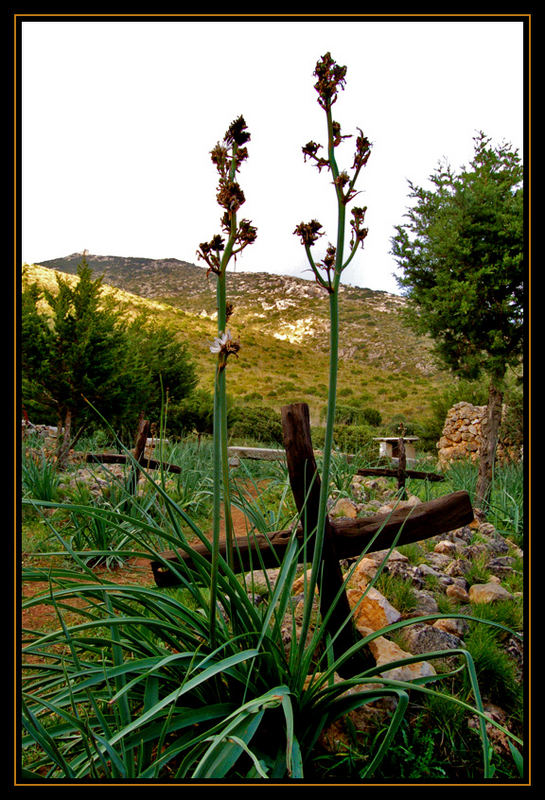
x: 352, y: 536
x: 393, y: 473
x: 121, y: 458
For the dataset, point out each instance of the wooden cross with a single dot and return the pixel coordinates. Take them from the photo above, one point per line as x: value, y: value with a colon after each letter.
x: 344, y: 538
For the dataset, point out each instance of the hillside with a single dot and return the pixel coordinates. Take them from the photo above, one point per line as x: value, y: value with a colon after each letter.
x: 282, y: 323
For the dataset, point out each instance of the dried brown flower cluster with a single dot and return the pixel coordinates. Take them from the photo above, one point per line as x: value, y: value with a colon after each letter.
x: 327, y: 265
x: 331, y: 78
x: 210, y: 252
x: 228, y: 157
x: 309, y: 232
x: 356, y: 223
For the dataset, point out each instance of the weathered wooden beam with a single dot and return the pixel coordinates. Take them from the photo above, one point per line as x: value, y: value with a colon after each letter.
x: 388, y: 472
x: 121, y: 458
x: 352, y: 536
x: 401, y: 467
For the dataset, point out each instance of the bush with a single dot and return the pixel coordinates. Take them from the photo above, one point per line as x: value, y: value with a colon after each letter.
x: 354, y: 415
x: 353, y: 438
x: 372, y: 416
x: 512, y: 426
x: 392, y: 426
x: 252, y: 397
x: 193, y: 413
x: 260, y: 423
x: 347, y: 438
x: 495, y: 669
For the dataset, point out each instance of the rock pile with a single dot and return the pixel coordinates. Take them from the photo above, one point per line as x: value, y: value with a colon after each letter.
x: 465, y: 567
x: 461, y: 436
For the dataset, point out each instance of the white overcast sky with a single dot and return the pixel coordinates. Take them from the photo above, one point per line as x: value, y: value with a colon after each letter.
x: 119, y: 117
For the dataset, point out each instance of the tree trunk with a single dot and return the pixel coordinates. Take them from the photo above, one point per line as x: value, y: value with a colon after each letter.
x: 489, y: 440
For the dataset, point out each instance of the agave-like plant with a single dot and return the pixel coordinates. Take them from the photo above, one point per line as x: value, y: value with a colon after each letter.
x: 129, y: 686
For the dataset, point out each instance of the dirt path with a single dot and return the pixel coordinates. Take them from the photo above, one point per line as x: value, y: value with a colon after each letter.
x: 43, y: 617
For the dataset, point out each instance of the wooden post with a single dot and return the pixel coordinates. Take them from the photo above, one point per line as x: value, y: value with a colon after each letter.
x: 401, y: 467
x: 305, y: 485
x: 138, y: 452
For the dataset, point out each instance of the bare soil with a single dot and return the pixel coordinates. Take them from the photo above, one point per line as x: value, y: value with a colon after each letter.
x: 135, y: 571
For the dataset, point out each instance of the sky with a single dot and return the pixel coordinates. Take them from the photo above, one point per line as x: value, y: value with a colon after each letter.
x: 118, y: 119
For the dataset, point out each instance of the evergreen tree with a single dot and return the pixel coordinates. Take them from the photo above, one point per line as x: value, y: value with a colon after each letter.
x: 169, y: 370
x: 78, y: 352
x: 462, y: 259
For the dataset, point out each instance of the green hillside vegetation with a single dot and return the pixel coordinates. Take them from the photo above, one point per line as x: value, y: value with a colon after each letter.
x: 282, y: 325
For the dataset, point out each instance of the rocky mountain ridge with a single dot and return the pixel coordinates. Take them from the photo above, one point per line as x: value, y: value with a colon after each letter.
x: 285, y: 307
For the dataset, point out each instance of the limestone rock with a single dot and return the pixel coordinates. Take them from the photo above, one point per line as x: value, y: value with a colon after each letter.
x: 488, y: 593
x: 501, y: 566
x: 445, y: 547
x: 363, y: 574
x: 379, y: 555
x: 422, y: 638
x: 374, y: 611
x: 385, y: 651
x: 457, y: 593
x: 425, y: 604
x: 458, y: 568
x: 344, y: 507
x: 424, y: 570
x: 298, y: 585
x: 439, y: 561
x: 456, y: 627
x: 462, y: 435
x: 259, y: 580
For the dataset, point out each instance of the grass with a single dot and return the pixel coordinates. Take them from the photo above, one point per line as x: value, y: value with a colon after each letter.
x: 399, y: 591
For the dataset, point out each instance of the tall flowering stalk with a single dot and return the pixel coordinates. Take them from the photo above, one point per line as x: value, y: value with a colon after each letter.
x: 228, y: 157
x: 330, y: 79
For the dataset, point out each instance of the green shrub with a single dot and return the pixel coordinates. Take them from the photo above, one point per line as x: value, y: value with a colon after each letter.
x: 353, y: 438
x: 372, y: 416
x: 512, y: 426
x: 252, y: 397
x: 398, y: 591
x: 193, y: 413
x: 260, y: 423
x: 392, y: 426
x: 318, y: 437
x: 354, y: 415
x: 40, y: 479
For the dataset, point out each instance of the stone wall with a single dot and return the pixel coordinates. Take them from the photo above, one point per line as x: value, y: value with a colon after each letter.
x: 461, y: 436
